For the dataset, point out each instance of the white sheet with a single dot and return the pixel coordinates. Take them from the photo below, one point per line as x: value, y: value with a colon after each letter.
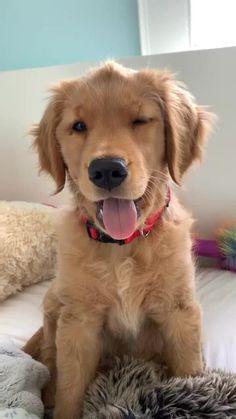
x: 21, y: 315
x: 217, y: 293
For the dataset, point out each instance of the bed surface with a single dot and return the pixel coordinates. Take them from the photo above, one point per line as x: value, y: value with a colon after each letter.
x: 217, y: 294
x: 21, y: 316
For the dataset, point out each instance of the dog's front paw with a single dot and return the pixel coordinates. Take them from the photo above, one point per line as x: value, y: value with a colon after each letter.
x: 189, y: 369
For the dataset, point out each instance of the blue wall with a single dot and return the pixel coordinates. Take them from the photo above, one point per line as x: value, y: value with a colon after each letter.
x: 35, y: 33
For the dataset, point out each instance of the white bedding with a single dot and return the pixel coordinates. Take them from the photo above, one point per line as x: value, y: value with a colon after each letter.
x: 217, y: 293
x: 21, y: 315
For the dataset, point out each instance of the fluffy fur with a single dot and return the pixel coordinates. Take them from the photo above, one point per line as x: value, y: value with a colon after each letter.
x: 27, y: 246
x: 134, y: 390
x: 137, y: 299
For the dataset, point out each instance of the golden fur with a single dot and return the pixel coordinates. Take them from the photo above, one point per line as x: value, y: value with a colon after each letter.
x: 109, y: 299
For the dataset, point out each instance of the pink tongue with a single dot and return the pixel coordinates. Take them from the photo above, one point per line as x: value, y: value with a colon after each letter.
x: 119, y: 217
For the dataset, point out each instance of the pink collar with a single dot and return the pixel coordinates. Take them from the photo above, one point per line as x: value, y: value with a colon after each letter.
x: 96, y: 234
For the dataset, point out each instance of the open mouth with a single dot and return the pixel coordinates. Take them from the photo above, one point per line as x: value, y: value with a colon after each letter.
x: 118, y: 216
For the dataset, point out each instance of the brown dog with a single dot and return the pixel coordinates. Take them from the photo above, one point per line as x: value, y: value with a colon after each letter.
x: 125, y: 280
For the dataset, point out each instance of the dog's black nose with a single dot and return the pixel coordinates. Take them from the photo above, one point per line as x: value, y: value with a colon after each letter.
x: 108, y: 173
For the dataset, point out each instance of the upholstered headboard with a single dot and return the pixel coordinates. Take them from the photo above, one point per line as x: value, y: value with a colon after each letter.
x: 209, y: 74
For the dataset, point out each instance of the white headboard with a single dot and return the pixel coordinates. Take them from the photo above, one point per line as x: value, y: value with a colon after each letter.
x: 209, y: 74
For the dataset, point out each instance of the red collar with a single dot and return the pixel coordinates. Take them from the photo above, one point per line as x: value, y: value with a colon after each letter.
x: 151, y: 221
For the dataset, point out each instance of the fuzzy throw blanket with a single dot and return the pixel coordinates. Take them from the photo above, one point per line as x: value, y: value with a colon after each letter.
x: 130, y: 389
x: 21, y: 382
x: 137, y: 390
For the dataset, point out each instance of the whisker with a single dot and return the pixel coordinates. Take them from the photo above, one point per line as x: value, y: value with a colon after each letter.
x: 156, y: 183
x: 156, y: 179
x: 159, y: 172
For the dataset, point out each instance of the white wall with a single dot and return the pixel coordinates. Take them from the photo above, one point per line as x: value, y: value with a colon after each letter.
x: 212, y: 23
x: 182, y: 25
x: 23, y: 99
x: 164, y: 26
x: 210, y: 75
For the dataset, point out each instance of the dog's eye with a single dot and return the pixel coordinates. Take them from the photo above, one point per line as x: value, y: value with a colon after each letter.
x: 79, y: 126
x: 139, y: 121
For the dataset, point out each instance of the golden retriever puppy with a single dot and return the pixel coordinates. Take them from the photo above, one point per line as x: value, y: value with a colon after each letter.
x: 125, y: 281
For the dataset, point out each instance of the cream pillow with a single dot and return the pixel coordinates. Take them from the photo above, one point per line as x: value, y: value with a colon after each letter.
x: 27, y: 245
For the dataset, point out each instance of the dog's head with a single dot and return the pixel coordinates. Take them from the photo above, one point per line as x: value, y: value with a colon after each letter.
x: 119, y: 135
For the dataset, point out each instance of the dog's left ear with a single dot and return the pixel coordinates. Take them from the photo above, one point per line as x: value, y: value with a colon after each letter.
x: 186, y: 127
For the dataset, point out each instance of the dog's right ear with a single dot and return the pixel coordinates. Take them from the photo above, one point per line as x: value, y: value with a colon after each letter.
x: 45, y: 139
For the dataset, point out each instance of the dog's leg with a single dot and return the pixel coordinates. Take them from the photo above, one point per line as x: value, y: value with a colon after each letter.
x: 48, y: 358
x: 42, y: 346
x: 182, y: 333
x: 52, y: 308
x: 33, y: 346
x: 78, y: 353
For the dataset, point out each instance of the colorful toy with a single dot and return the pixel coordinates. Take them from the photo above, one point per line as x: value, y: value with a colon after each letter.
x: 223, y: 249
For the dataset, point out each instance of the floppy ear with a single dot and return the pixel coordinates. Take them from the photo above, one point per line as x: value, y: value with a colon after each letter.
x: 46, y: 143
x: 186, y: 128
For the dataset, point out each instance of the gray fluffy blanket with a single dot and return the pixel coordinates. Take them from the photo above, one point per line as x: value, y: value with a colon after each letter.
x: 137, y: 390
x: 21, y: 381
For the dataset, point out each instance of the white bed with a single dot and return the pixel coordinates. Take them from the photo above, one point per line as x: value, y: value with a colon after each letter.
x: 21, y: 315
x: 217, y: 293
